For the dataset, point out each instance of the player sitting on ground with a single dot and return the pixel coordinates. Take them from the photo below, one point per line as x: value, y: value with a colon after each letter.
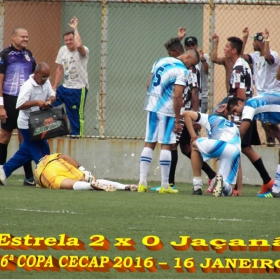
x: 59, y: 171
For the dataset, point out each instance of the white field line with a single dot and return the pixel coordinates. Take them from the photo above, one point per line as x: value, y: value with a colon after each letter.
x: 216, y: 219
x: 42, y: 211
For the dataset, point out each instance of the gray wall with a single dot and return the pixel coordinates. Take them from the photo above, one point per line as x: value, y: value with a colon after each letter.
x: 119, y: 159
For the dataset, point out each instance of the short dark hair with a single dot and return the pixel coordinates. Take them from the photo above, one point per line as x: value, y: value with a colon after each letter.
x: 190, y: 41
x: 236, y: 43
x: 174, y: 44
x: 233, y: 102
x: 68, y: 33
x: 16, y: 30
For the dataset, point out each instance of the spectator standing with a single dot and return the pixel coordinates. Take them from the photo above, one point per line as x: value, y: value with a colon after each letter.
x: 16, y: 64
x: 72, y: 60
x: 265, y: 63
x: 191, y: 43
x: 35, y: 94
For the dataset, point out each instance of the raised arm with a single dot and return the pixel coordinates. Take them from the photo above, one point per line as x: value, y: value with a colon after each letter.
x: 266, y: 50
x: 244, y: 40
x: 214, y: 54
x: 181, y: 33
x: 81, y: 49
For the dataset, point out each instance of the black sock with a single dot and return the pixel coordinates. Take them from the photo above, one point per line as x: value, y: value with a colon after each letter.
x: 208, y: 170
x: 174, y: 160
x: 3, y: 153
x: 28, y: 170
x: 261, y: 169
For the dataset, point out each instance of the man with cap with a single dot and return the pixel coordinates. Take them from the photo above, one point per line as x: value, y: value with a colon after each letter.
x: 191, y: 43
x: 265, y: 63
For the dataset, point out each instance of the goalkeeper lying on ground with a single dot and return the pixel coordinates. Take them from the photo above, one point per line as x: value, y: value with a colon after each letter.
x: 59, y: 171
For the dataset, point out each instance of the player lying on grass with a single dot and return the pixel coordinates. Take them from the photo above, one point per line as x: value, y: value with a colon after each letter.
x: 223, y: 142
x: 265, y: 108
x: 59, y: 171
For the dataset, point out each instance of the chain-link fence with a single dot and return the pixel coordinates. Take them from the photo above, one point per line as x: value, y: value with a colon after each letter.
x: 125, y: 38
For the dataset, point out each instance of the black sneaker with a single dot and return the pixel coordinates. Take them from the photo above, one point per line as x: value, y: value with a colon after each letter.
x: 270, y: 142
x: 29, y: 182
x: 197, y: 192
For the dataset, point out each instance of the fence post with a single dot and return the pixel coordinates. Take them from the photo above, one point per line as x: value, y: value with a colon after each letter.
x: 103, y: 69
x: 211, y: 68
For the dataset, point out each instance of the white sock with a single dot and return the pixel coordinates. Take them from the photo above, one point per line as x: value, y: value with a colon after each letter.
x: 197, y: 183
x: 82, y: 186
x: 145, y: 161
x: 118, y: 186
x: 276, y: 186
x: 165, y: 162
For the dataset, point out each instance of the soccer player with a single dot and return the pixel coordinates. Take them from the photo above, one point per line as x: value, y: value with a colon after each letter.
x: 265, y: 108
x: 59, y: 171
x: 163, y: 105
x: 223, y: 142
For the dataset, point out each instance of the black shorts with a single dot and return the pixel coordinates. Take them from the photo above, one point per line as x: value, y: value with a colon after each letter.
x: 185, y: 136
x: 251, y: 137
x: 11, y: 111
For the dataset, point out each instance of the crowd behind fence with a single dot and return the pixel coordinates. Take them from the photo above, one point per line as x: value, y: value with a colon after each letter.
x: 125, y: 38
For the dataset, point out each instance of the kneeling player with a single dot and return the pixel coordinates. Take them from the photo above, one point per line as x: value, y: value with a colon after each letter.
x: 223, y: 142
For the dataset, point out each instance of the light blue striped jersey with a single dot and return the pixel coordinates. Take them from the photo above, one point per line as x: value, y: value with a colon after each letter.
x: 264, y: 107
x: 220, y: 128
x: 167, y: 72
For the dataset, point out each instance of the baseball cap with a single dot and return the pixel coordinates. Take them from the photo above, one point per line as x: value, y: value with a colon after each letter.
x: 190, y: 41
x: 259, y: 37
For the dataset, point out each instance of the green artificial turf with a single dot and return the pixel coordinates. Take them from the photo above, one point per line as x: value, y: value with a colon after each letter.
x: 146, y: 218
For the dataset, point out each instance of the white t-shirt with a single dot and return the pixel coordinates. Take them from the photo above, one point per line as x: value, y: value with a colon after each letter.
x: 29, y: 91
x: 264, y: 73
x: 74, y: 66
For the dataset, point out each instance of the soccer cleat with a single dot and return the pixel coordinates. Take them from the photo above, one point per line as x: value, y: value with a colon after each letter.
x: 100, y: 187
x: 197, y: 192
x: 158, y: 187
x: 169, y: 190
x: 141, y: 188
x: 132, y: 188
x: 269, y: 194
x: 2, y: 176
x: 211, y: 183
x: 218, y: 186
x: 29, y: 182
x: 266, y: 187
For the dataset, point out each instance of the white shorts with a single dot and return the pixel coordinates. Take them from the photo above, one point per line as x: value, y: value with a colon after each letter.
x: 159, y: 128
x: 228, y: 154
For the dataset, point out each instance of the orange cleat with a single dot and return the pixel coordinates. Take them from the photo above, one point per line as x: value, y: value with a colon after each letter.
x: 266, y: 187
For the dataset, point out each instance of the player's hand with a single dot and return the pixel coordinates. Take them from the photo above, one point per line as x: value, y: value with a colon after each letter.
x: 194, y: 138
x: 74, y: 23
x: 177, y: 128
x: 266, y: 34
x: 181, y: 32
x: 215, y: 38
x: 245, y: 32
x: 236, y: 193
x: 3, y: 114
